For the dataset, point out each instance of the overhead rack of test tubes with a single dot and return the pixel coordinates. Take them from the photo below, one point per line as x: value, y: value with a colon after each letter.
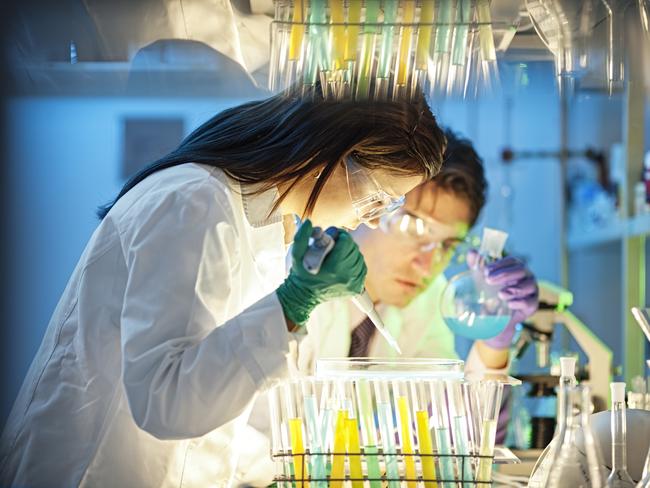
x: 387, y: 49
x: 369, y: 422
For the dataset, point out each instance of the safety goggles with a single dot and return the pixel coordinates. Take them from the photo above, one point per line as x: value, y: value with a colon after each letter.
x: 369, y: 200
x: 425, y: 234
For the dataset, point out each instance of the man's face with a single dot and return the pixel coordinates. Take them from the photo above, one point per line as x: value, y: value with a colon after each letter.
x: 400, y: 265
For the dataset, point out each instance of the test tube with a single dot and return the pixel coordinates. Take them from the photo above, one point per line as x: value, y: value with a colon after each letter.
x: 443, y: 44
x: 279, y: 45
x: 295, y: 417
x: 486, y: 41
x: 353, y: 444
x: 352, y: 44
x: 368, y: 432
x: 296, y: 41
x: 279, y: 446
x: 404, y: 422
x: 367, y: 53
x: 441, y: 429
x: 403, y: 57
x: 386, y: 51
x: 337, y: 473
x: 316, y: 449
x: 421, y: 399
x: 493, y: 391
x: 423, y: 45
x: 316, y: 43
x: 460, y: 430
x: 387, y: 431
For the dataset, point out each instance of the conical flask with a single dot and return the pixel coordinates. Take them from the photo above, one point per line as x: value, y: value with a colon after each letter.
x: 576, y: 459
x: 542, y: 468
x: 619, y: 477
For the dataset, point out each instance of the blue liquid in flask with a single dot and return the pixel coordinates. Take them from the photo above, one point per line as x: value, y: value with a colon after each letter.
x: 481, y: 327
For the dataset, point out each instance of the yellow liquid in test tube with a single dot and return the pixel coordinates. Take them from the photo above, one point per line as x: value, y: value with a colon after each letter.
x: 488, y: 437
x: 405, y: 44
x: 338, y: 33
x: 426, y: 447
x: 352, y: 34
x: 407, y: 440
x: 424, y: 35
x: 297, y: 30
x: 338, y: 458
x: 298, y: 451
x: 354, y: 452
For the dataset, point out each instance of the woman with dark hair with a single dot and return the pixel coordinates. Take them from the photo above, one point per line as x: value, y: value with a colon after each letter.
x: 180, y: 309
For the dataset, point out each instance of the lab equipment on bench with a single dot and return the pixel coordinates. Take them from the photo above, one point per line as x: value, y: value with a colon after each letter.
x: 471, y: 307
x: 322, y: 243
x: 539, y: 329
x: 376, y: 422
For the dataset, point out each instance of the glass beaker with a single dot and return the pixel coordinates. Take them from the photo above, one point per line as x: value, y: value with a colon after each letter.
x: 471, y: 307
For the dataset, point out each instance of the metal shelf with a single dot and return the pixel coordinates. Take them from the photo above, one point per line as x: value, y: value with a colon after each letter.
x: 617, y: 230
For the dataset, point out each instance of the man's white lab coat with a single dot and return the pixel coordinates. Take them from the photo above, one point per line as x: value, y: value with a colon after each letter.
x: 166, y: 330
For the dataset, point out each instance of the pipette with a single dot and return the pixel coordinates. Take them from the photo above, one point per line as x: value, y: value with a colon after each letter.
x: 322, y: 244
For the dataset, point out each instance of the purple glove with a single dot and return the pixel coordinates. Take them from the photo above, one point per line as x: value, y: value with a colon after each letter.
x: 517, y: 287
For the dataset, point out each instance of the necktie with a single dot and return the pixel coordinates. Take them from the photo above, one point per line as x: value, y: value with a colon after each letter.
x: 360, y: 340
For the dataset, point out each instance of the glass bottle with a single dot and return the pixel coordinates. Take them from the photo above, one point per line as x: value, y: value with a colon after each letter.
x: 542, y: 468
x: 470, y: 307
x: 574, y: 465
x: 619, y: 477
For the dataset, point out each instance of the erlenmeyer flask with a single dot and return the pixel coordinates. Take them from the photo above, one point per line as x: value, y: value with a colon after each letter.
x: 576, y: 460
x: 541, y: 470
x: 619, y: 477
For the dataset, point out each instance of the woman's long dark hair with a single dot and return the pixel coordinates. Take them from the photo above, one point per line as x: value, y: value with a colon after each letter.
x: 286, y: 137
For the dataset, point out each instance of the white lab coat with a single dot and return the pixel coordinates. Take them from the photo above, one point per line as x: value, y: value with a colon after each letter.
x: 166, y: 330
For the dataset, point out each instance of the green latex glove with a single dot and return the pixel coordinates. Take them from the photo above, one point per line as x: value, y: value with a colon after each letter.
x: 343, y: 273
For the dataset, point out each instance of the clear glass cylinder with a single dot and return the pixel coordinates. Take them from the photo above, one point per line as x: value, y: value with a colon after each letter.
x: 619, y: 477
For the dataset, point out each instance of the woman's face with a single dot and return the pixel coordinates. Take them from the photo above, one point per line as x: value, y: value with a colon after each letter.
x: 334, y: 205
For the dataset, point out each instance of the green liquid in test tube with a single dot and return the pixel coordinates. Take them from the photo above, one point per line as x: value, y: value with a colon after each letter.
x: 463, y: 15
x: 367, y: 53
x: 459, y: 427
x: 316, y: 42
x: 446, y: 463
x: 486, y: 39
x: 492, y: 404
x: 462, y: 447
x: 444, y: 29
x: 488, y: 437
x: 317, y: 463
x: 390, y: 16
x: 388, y: 440
x: 440, y: 420
x: 368, y: 432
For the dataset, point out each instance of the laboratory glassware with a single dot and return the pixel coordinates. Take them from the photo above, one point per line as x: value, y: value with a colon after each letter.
x: 471, y: 307
x: 542, y: 468
x: 576, y: 461
x: 645, y: 477
x: 619, y: 477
